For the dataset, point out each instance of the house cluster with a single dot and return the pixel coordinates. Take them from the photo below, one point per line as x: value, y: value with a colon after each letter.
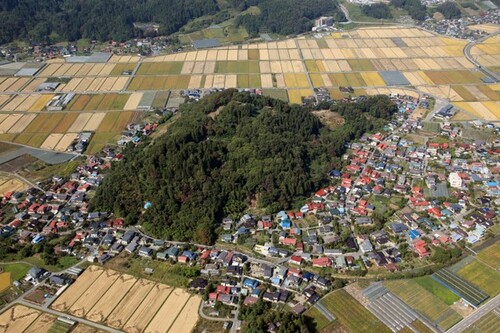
x: 461, y: 28
x: 57, y: 207
x: 134, y: 132
x: 426, y: 190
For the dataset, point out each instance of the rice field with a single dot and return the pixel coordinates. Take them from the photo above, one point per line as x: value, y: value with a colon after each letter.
x: 288, y: 69
x: 129, y: 304
x: 424, y: 302
x: 482, y: 276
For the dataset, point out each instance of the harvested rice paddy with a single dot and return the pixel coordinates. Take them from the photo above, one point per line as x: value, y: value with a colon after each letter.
x: 129, y: 304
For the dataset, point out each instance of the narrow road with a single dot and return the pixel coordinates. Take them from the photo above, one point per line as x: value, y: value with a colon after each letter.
x: 475, y: 316
x: 468, y: 55
x: 76, y: 319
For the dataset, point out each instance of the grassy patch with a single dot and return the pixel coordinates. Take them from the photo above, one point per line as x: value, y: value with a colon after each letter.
x: 17, y: 271
x: 352, y: 314
x: 67, y: 261
x: 316, y: 320
x: 276, y: 93
x: 46, y: 171
x: 100, y: 140
x: 431, y: 285
x: 482, y: 276
x: 163, y: 272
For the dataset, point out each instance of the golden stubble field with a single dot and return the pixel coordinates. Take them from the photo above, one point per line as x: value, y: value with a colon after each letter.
x: 132, y: 305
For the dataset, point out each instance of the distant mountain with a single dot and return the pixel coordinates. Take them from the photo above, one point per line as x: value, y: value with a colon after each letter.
x: 256, y: 151
x: 70, y: 20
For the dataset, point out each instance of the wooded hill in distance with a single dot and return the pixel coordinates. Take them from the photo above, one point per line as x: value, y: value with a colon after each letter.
x: 256, y: 151
x: 52, y: 21
x: 70, y: 20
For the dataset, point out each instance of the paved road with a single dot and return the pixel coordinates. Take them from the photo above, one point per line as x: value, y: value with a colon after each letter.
x: 467, y: 52
x: 475, y: 316
x: 48, y: 156
x: 60, y: 314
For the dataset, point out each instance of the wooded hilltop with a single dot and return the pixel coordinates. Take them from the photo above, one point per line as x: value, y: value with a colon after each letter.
x: 257, y: 151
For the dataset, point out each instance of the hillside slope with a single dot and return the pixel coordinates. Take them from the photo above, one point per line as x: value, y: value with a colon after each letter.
x: 257, y: 151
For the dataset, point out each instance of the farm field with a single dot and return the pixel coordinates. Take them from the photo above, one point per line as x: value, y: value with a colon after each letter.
x: 128, y: 303
x: 18, y: 318
x: 491, y: 256
x: 434, y: 287
x: 489, y: 323
x: 351, y: 314
x: 424, y: 302
x: 17, y: 271
x: 5, y: 279
x: 372, y: 60
x: 482, y: 276
x: 10, y: 184
x: 320, y: 321
x: 470, y: 292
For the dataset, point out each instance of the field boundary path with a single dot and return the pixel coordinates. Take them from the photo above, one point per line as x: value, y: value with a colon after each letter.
x: 324, y: 311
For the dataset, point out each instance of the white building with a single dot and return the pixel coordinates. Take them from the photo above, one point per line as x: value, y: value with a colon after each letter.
x: 455, y: 180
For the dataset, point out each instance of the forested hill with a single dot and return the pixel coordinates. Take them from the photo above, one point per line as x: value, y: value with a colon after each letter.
x: 70, y: 20
x: 255, y: 151
x: 288, y: 17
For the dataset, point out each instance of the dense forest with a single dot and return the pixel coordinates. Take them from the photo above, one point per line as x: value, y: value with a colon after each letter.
x: 377, y: 10
x: 70, y: 20
x: 449, y: 10
x: 287, y: 17
x: 415, y: 8
x: 257, y: 151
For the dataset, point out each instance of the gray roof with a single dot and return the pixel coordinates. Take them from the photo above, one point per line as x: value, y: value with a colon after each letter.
x: 27, y: 71
x: 95, y: 57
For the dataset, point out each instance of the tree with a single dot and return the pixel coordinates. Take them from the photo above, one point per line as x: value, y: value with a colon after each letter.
x: 449, y: 10
x: 377, y: 10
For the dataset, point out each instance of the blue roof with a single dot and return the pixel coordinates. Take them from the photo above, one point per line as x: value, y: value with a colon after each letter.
x: 250, y: 283
x: 414, y: 234
x: 286, y: 223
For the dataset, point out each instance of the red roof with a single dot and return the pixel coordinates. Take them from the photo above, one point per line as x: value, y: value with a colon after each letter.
x: 288, y: 241
x: 296, y: 260
x: 322, y: 262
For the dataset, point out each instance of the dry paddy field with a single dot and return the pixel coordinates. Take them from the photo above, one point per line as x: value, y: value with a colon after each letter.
x: 129, y: 304
x: 8, y: 184
x: 17, y: 319
x: 73, y: 293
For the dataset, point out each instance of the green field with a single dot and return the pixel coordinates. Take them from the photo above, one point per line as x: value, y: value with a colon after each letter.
x: 421, y: 327
x: 17, y: 271
x: 489, y: 323
x: 120, y: 68
x: 100, y: 140
x: 351, y: 314
x: 233, y: 67
x: 160, y: 68
x: 276, y: 93
x: 482, y: 276
x: 59, y: 327
x: 163, y: 272
x: 318, y: 320
x: 160, y: 99
x: 431, y: 285
x: 423, y: 301
x: 491, y: 255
